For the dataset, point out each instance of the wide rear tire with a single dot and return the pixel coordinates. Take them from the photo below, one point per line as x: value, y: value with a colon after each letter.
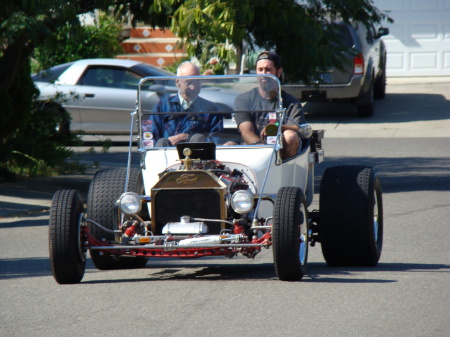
x: 105, y: 189
x: 67, y: 255
x: 290, y: 234
x: 351, y: 216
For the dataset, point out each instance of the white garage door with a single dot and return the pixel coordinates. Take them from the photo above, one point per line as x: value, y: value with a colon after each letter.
x: 419, y: 40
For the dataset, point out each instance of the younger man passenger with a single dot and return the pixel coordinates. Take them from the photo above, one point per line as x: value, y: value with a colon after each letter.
x: 252, y: 125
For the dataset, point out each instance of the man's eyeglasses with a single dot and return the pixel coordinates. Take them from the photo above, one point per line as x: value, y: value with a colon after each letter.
x: 191, y: 83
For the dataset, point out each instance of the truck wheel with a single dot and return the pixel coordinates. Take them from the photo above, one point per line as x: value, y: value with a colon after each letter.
x: 351, y: 216
x: 380, y: 86
x: 67, y: 255
x: 105, y: 189
x: 367, y: 108
x: 290, y: 234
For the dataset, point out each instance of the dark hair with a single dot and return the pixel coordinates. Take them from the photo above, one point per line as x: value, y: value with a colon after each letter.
x: 271, y: 56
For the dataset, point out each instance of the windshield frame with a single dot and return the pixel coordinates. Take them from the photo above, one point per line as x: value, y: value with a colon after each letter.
x: 139, y: 113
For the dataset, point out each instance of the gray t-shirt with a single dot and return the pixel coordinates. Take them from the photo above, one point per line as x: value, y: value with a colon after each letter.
x: 252, y: 102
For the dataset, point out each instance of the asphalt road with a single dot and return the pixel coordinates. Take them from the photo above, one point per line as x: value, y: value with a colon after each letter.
x: 407, y: 294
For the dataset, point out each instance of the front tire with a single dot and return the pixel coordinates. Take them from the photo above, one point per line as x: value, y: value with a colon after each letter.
x: 367, y: 107
x: 67, y: 255
x: 380, y: 86
x: 61, y: 117
x: 290, y: 234
x: 380, y: 83
x: 105, y: 189
x: 351, y: 216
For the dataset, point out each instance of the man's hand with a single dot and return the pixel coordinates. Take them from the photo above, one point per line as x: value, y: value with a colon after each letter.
x: 263, y: 134
x: 181, y: 137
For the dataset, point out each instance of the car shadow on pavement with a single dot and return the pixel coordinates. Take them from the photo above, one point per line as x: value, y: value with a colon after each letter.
x: 316, y: 273
x: 322, y: 273
x: 176, y: 271
x: 398, y: 174
x: 166, y: 270
x: 14, y: 268
x: 30, y: 218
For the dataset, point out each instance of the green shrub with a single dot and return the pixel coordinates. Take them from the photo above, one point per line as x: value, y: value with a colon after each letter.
x: 32, y: 142
x: 74, y: 42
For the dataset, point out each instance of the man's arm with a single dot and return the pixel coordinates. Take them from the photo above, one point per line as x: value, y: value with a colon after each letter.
x: 215, y: 121
x: 295, y: 114
x: 285, y: 127
x: 181, y: 137
x: 155, y: 122
x: 248, y: 133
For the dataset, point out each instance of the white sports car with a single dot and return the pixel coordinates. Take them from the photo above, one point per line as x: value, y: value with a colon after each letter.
x: 100, y: 94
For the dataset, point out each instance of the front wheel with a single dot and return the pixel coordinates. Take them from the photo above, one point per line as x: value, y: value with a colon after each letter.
x: 61, y: 118
x: 67, y: 255
x: 106, y: 187
x: 351, y: 216
x: 380, y: 86
x: 290, y: 234
x: 365, y: 107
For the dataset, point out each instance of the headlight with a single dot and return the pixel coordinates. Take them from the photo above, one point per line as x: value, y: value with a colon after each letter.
x: 242, y: 201
x: 130, y: 203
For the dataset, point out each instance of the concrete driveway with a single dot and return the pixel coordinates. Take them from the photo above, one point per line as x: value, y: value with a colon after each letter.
x: 413, y: 107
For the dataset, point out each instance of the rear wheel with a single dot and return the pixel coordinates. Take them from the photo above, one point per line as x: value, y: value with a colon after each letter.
x: 367, y: 107
x: 105, y: 189
x: 290, y: 234
x: 61, y: 117
x: 67, y: 255
x: 380, y: 86
x: 380, y: 83
x: 351, y: 216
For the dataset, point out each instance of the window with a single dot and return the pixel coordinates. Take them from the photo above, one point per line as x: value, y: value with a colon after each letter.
x: 52, y: 74
x: 112, y: 77
x: 343, y: 38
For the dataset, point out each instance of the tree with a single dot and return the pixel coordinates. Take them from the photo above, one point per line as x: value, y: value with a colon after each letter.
x: 24, y: 25
x: 75, y: 41
x: 28, y: 24
x: 211, y: 27
x: 28, y: 137
x: 293, y: 28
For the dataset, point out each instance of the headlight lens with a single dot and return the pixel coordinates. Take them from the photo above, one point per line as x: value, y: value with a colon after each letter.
x: 242, y: 201
x: 130, y: 203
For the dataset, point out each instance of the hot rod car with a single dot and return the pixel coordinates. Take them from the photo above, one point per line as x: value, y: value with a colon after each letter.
x: 218, y: 197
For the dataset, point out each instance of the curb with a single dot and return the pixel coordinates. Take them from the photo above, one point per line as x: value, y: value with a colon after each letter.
x: 417, y: 80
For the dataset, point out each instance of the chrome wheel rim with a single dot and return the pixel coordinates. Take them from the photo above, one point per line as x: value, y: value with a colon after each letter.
x: 81, y: 250
x: 375, y: 218
x: 303, y: 239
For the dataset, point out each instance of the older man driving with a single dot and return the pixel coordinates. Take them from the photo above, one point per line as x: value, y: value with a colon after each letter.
x: 168, y: 129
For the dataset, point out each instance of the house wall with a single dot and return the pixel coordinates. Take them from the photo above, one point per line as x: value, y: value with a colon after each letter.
x: 419, y: 39
x: 154, y: 46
